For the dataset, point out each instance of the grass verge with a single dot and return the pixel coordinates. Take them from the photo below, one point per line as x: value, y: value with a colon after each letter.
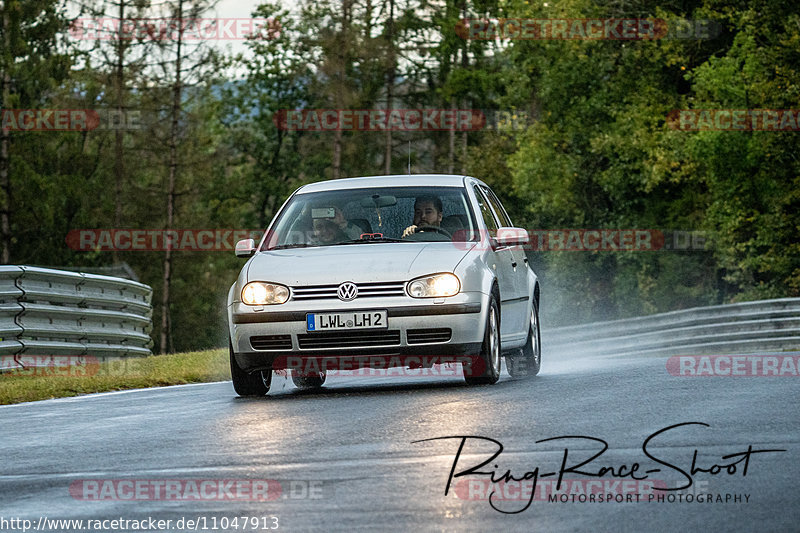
x: 93, y: 376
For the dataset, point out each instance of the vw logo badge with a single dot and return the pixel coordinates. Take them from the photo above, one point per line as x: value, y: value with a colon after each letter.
x: 347, y: 291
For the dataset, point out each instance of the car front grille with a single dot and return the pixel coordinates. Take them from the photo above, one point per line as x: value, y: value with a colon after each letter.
x: 428, y: 336
x: 349, y: 339
x: 365, y: 290
x: 271, y: 342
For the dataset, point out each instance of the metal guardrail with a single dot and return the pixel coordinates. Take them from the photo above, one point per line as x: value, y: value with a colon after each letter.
x: 54, y: 312
x: 722, y: 329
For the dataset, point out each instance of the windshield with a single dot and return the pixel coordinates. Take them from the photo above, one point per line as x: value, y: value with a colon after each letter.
x: 373, y: 215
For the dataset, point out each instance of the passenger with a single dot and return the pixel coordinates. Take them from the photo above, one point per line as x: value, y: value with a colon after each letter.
x: 352, y: 231
x: 327, y: 232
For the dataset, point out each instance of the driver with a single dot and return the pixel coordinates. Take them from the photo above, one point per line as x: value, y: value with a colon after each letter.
x: 427, y: 212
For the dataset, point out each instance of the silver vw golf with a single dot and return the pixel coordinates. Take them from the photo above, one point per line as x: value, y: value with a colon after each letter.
x: 386, y: 271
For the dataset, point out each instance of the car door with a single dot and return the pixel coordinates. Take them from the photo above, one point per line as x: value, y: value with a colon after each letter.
x: 519, y: 307
x: 501, y: 260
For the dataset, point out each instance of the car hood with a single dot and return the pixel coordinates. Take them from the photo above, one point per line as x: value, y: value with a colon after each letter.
x: 359, y: 262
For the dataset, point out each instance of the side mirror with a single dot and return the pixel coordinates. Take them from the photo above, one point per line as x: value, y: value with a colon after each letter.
x: 511, y: 237
x: 245, y: 248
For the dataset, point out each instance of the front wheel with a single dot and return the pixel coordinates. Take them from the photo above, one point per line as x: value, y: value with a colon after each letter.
x: 487, y: 369
x: 526, y: 362
x: 255, y: 384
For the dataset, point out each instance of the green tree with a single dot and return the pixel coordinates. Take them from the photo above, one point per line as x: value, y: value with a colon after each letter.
x: 33, y: 60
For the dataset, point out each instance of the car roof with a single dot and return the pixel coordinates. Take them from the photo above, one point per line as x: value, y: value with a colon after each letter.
x: 396, y: 180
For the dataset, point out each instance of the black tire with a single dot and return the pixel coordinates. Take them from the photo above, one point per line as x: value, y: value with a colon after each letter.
x: 255, y: 384
x: 488, y: 368
x: 309, y: 382
x: 526, y: 362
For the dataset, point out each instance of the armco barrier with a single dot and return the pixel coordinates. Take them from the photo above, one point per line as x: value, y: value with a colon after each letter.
x: 746, y: 327
x: 54, y: 312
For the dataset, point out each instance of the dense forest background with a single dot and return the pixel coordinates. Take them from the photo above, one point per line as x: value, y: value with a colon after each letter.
x: 593, y: 147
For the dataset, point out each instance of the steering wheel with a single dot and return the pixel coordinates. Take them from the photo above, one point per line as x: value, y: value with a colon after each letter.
x: 437, y: 229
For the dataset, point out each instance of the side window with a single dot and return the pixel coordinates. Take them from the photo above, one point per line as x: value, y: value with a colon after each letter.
x: 486, y: 212
x: 502, y: 216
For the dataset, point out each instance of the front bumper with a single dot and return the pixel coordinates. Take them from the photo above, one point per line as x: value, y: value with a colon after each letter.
x: 281, y: 339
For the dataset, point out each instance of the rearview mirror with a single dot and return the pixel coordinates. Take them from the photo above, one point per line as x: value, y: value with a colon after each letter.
x: 245, y: 248
x: 376, y: 200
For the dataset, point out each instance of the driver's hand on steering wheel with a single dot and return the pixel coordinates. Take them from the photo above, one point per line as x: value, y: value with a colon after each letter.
x: 409, y: 231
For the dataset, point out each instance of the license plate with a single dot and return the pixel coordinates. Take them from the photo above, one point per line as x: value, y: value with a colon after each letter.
x: 348, y: 320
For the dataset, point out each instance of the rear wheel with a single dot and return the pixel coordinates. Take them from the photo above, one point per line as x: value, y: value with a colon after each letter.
x: 309, y: 382
x: 488, y: 368
x: 526, y: 362
x: 255, y: 384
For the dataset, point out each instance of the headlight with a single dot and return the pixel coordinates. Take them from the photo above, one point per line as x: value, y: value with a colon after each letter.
x: 434, y: 286
x: 259, y: 293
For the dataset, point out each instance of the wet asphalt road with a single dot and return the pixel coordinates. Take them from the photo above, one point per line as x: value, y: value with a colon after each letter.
x: 345, y: 458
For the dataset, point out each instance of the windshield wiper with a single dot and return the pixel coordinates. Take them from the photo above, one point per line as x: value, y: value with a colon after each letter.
x: 295, y: 245
x: 352, y: 241
x: 372, y: 239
